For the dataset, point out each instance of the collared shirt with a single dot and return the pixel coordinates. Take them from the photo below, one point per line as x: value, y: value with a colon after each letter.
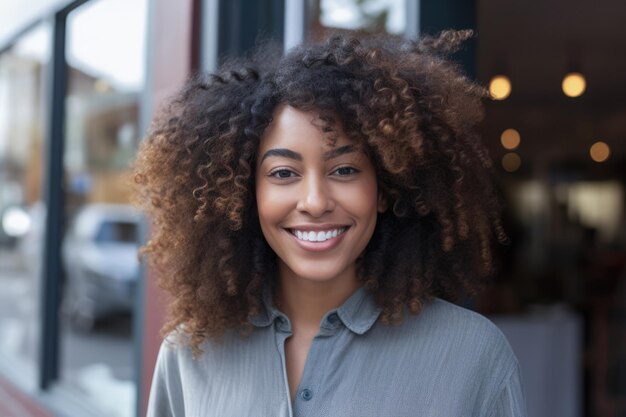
x: 446, y: 361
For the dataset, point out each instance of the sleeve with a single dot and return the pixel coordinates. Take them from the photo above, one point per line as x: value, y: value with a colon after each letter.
x: 509, y: 402
x: 166, y: 394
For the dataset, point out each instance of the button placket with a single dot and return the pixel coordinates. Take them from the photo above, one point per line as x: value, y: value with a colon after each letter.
x: 315, y: 369
x: 306, y: 394
x: 280, y: 337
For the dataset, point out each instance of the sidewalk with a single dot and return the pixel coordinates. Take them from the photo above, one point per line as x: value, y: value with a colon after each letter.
x: 14, y: 403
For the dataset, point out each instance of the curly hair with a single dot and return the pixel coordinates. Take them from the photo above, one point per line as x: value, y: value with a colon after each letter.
x: 410, y: 109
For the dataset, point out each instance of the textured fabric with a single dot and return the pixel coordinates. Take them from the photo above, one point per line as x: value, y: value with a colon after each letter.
x: 447, y: 361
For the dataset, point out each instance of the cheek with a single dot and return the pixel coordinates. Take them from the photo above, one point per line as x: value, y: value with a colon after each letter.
x: 364, y: 199
x: 262, y: 203
x: 270, y: 205
x: 265, y: 214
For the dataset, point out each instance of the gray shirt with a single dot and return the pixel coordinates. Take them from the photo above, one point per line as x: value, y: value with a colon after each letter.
x: 447, y: 361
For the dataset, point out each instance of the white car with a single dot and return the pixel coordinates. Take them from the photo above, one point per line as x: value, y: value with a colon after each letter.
x: 101, y: 263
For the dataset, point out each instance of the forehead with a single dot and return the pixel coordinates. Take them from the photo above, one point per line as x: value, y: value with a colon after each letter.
x: 293, y: 128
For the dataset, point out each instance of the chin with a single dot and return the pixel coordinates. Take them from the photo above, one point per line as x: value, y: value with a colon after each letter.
x: 318, y: 273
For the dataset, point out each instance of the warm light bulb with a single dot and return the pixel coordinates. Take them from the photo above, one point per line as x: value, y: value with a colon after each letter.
x: 500, y: 87
x: 574, y: 84
x: 511, y: 162
x: 600, y: 151
x: 510, y: 139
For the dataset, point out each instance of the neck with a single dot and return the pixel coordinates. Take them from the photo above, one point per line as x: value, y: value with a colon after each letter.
x: 305, y: 302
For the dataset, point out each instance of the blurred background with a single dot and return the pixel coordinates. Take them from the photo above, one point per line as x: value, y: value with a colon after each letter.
x: 80, y: 81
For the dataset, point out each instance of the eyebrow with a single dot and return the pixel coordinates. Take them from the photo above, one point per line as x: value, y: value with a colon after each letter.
x: 286, y: 153
x: 342, y: 150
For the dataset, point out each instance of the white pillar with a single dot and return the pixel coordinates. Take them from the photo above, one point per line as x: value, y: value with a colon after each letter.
x: 295, y: 23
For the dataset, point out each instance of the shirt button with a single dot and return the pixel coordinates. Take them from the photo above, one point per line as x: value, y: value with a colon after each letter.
x: 306, y: 394
x: 332, y: 319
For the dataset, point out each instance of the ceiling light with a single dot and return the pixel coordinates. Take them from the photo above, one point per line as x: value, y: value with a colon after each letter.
x: 511, y: 162
x: 574, y: 84
x: 500, y: 87
x: 600, y: 151
x: 510, y: 139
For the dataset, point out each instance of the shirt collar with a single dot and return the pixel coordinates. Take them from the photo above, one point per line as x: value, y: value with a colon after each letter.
x: 358, y: 313
x: 269, y: 312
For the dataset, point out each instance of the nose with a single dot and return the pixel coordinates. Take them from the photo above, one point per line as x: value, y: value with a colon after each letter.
x: 315, y: 197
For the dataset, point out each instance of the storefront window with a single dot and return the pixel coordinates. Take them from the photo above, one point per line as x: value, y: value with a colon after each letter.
x: 371, y: 16
x: 105, y: 55
x: 23, y: 71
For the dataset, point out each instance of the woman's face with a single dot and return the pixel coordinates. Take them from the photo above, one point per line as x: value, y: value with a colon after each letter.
x: 317, y: 202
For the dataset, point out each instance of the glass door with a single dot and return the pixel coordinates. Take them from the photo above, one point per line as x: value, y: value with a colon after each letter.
x: 106, y: 58
x: 23, y: 109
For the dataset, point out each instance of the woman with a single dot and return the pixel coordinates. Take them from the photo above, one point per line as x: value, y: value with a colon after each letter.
x: 309, y: 211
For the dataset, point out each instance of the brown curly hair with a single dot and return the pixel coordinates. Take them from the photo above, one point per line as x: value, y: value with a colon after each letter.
x: 413, y: 112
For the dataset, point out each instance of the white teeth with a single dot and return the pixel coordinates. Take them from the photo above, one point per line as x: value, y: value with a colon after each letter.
x: 318, y: 236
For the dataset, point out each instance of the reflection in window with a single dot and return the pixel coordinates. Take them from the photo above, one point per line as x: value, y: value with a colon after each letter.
x: 356, y: 15
x: 106, y: 79
x: 23, y: 69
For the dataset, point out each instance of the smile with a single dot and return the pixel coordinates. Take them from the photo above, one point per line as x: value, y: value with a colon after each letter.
x: 317, y: 236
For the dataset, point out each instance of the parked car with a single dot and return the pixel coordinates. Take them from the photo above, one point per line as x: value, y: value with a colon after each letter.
x: 101, y: 264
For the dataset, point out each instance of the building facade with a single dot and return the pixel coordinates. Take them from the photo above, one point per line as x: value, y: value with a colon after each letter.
x: 80, y: 81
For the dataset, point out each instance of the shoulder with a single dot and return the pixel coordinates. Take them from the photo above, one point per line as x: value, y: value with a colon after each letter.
x: 459, y: 355
x: 462, y: 335
x: 469, y: 346
x: 173, y: 353
x: 215, y: 357
x: 166, y: 393
x: 473, y: 331
x: 448, y: 320
x: 176, y: 349
x: 179, y: 375
x: 176, y: 355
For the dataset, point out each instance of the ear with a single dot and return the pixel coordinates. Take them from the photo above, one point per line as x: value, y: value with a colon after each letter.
x: 382, y: 203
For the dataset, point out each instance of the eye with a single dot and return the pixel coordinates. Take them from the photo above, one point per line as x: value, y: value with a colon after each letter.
x: 346, y: 171
x: 282, y: 173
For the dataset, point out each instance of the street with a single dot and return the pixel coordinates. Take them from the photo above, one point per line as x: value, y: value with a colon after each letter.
x: 98, y: 364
